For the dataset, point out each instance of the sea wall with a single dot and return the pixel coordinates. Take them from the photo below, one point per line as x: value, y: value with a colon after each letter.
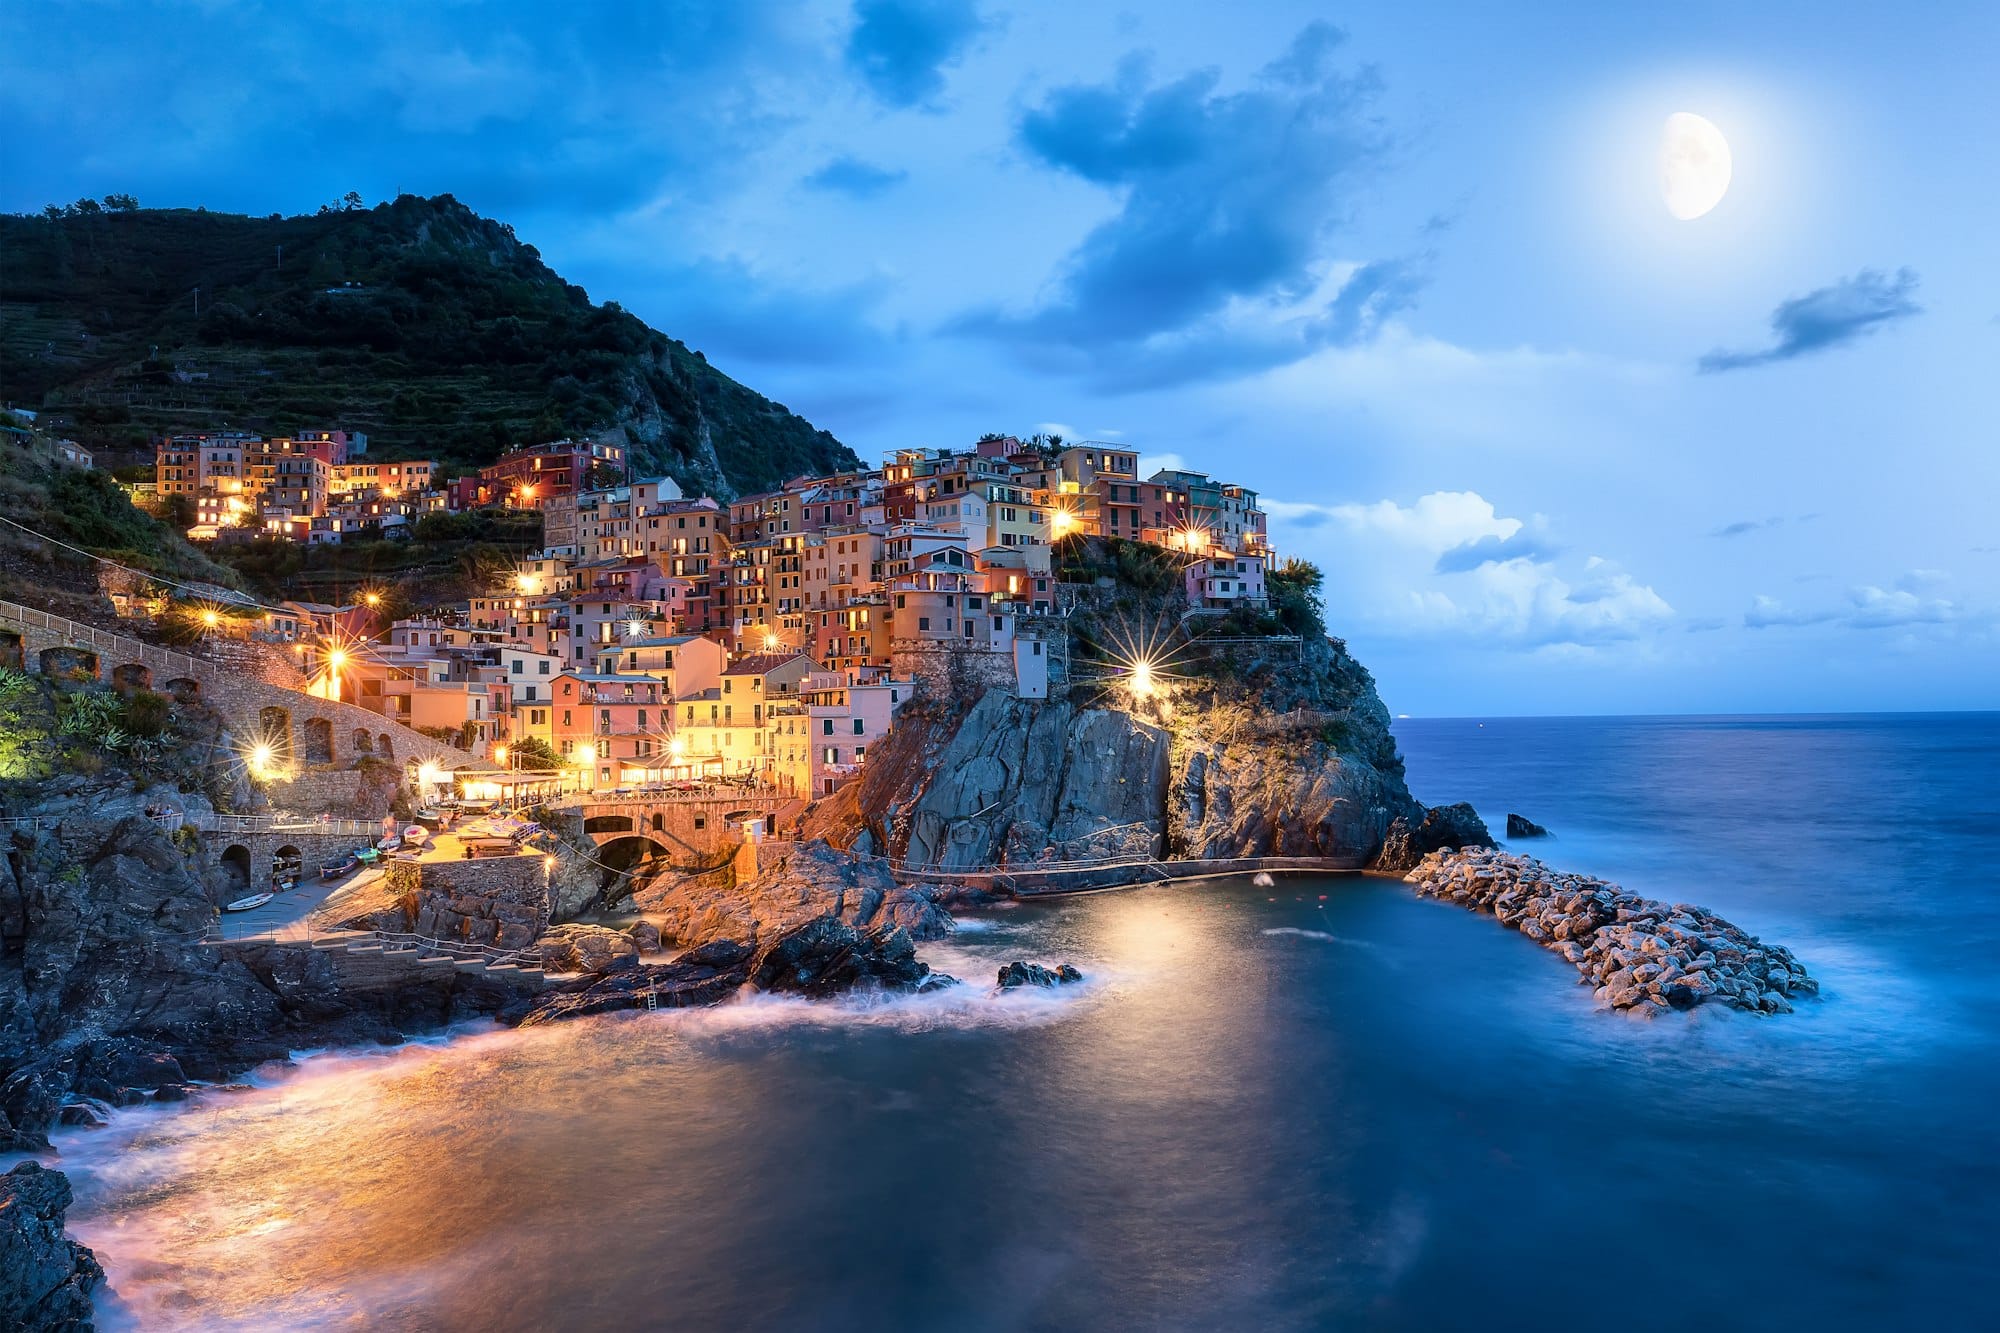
x: 1639, y: 953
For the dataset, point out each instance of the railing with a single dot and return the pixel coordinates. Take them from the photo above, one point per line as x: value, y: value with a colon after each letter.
x: 102, y: 640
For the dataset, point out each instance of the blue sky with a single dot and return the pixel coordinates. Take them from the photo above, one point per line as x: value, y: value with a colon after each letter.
x: 1405, y: 269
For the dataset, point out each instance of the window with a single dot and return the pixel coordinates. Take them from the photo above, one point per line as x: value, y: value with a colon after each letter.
x: 832, y: 755
x: 860, y: 728
x: 826, y: 727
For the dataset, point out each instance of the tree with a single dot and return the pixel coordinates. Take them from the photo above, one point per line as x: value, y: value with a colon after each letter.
x: 533, y: 754
x: 121, y: 203
x: 351, y: 202
x: 87, y: 207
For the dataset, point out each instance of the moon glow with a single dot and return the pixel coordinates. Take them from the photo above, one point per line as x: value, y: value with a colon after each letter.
x: 1694, y: 165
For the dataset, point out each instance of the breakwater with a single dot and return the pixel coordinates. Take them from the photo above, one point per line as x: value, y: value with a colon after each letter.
x: 1640, y: 953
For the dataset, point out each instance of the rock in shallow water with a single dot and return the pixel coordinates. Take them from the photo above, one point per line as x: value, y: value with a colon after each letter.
x: 1520, y: 826
x: 1018, y: 973
x: 1641, y: 954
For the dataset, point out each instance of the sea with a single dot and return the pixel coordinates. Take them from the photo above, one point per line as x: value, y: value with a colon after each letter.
x: 1317, y: 1104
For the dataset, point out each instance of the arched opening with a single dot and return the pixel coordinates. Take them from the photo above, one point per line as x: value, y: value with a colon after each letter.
x: 363, y: 742
x: 274, y: 728
x: 659, y: 822
x: 236, y: 860
x: 319, y: 741
x: 608, y: 824
x: 638, y: 854
x: 184, y: 689
x: 387, y: 750
x: 287, y: 868
x: 131, y: 676
x: 13, y: 652
x: 74, y: 664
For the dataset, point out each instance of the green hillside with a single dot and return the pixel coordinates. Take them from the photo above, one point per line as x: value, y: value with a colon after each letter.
x: 434, y: 330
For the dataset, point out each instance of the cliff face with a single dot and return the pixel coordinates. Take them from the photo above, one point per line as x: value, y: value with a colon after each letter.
x: 1274, y: 749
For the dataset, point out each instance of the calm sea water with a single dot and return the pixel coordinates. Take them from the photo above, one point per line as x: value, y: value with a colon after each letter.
x: 1325, y: 1104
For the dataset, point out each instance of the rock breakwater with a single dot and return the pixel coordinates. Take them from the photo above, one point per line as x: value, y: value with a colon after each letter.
x: 1640, y: 953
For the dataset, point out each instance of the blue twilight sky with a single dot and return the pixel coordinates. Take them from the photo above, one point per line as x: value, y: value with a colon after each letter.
x: 1404, y: 268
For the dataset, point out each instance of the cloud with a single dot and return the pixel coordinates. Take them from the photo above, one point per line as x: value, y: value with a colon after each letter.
x: 1450, y: 565
x: 1219, y: 259
x: 901, y: 48
x: 1868, y: 607
x: 1522, y: 545
x: 1745, y: 525
x: 853, y: 177
x: 1830, y: 317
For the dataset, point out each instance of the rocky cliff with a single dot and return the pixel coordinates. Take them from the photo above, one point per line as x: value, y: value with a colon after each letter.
x: 45, y: 1278
x: 1278, y: 746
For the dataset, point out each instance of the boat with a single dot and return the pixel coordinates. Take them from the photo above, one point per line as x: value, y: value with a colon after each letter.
x: 429, y: 819
x: 367, y: 855
x: 245, y: 904
x: 339, y: 866
x: 415, y: 834
x: 389, y: 844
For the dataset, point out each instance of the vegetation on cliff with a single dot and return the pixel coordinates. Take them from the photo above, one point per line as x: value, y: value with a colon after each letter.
x: 434, y: 330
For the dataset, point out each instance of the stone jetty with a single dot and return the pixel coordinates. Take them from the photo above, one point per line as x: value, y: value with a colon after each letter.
x: 1639, y: 953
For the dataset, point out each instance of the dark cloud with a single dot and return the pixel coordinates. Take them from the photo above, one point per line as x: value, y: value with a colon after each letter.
x: 1493, y: 550
x: 901, y: 48
x: 1218, y: 258
x: 1830, y: 317
x: 853, y: 177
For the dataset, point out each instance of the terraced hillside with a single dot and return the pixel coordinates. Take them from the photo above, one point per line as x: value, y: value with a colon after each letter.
x: 433, y: 329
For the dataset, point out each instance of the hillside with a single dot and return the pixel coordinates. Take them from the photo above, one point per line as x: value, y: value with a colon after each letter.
x: 431, y: 328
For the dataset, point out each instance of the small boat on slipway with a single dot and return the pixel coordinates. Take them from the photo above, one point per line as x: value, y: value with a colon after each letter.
x: 245, y: 904
x: 339, y: 866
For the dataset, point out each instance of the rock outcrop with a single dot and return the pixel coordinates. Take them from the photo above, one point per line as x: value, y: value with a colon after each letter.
x: 1520, y: 826
x: 46, y: 1279
x: 1443, y: 828
x: 576, y: 947
x: 815, y: 880
x: 817, y: 958
x: 1639, y: 953
x: 1020, y: 973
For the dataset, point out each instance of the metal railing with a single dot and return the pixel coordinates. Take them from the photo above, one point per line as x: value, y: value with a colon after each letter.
x: 103, y: 640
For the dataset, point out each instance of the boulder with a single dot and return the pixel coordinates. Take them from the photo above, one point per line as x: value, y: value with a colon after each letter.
x: 45, y: 1278
x: 575, y: 947
x: 1520, y: 826
x: 1020, y: 973
x: 645, y: 935
x: 826, y: 956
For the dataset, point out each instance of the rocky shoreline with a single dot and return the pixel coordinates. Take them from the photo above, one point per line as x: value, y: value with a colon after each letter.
x: 1640, y: 954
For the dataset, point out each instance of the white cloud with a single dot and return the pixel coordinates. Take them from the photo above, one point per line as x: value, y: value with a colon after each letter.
x: 1870, y: 608
x: 1388, y: 566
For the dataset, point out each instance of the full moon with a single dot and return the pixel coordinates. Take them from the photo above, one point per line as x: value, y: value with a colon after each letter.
x: 1694, y: 165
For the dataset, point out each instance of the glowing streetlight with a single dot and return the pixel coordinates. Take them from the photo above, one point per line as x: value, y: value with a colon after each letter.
x: 499, y: 754
x: 429, y: 775
x: 336, y: 660
x: 1140, y: 682
x: 372, y: 599
x: 523, y: 582
x: 1062, y: 522
x: 770, y: 642
x: 677, y: 747
x: 634, y: 628
x: 586, y: 754
x: 261, y: 756
x: 211, y: 617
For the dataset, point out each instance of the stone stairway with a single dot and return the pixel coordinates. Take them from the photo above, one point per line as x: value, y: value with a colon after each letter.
x: 371, y: 952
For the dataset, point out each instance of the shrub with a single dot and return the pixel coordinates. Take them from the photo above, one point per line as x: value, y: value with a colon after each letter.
x: 147, y: 713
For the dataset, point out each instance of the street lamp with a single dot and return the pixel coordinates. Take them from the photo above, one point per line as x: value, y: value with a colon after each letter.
x: 1140, y: 682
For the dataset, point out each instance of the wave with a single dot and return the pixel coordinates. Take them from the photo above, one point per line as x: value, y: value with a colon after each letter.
x: 1328, y: 936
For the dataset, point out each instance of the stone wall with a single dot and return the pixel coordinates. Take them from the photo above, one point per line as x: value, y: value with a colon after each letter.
x: 256, y: 710
x: 501, y: 901
x: 685, y: 830
x: 951, y: 671
x: 346, y: 793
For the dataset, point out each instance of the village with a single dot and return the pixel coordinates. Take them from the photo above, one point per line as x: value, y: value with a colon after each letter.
x: 657, y: 640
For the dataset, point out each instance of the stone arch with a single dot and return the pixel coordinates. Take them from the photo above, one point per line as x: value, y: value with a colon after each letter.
x: 363, y: 742
x: 185, y: 689
x: 659, y: 822
x: 386, y: 747
x: 319, y: 741
x: 620, y: 855
x: 236, y: 860
x: 132, y: 676
x: 274, y: 728
x: 57, y: 663
x: 608, y: 824
x: 13, y: 651
x: 288, y: 864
